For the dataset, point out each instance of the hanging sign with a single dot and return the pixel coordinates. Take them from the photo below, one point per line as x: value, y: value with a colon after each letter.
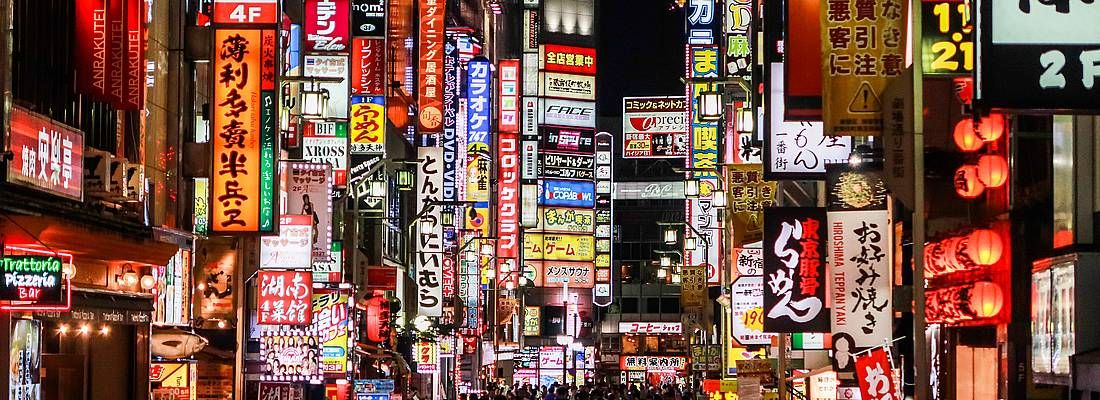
x: 429, y: 243
x: 863, y: 48
x: 1039, y: 55
x: 655, y: 127
x: 246, y: 12
x: 242, y: 187
x: 508, y: 244
x: 283, y: 297
x: 875, y: 373
x: 861, y: 265
x: 368, y: 18
x: 478, y: 125
x: 368, y: 66
x: 327, y: 25
x: 702, y: 21
x: 292, y: 248
x: 430, y: 52
x: 794, y: 269
x: 34, y: 280
x: 749, y: 194
x: 849, y: 189
x: 308, y: 188
x: 738, y: 38
x: 797, y: 149
x: 331, y: 66
x: 368, y: 125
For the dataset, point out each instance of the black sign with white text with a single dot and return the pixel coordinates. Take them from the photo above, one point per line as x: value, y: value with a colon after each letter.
x: 568, y: 166
x: 795, y: 246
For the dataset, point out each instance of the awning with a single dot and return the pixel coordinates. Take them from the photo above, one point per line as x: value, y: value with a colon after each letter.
x: 85, y: 241
x: 99, y: 306
x: 1086, y: 371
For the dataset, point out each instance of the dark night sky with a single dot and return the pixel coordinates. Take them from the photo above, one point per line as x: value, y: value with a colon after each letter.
x: 640, y: 51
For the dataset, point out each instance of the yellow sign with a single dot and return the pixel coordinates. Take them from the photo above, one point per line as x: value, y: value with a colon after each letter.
x: 569, y: 220
x: 748, y: 195
x: 862, y: 49
x: 532, y: 321
x: 551, y: 246
x: 693, y: 284
x: 368, y: 125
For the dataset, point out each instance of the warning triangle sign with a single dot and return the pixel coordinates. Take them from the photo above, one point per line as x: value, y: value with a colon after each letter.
x: 865, y: 100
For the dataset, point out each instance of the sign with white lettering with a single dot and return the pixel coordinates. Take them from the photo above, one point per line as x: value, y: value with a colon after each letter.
x: 567, y: 166
x: 655, y: 127
x: 794, y: 270
x: 327, y: 25
x: 46, y: 155
x: 649, y: 190
x: 571, y: 140
x: 651, y: 328
x: 32, y: 279
x: 1039, y: 55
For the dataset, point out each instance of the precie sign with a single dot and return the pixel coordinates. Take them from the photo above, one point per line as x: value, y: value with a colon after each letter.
x: 655, y: 127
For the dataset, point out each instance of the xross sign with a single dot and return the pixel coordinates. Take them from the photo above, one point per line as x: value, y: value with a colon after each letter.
x: 1039, y: 54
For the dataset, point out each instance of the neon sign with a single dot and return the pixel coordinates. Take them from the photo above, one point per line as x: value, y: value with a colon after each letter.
x: 34, y: 280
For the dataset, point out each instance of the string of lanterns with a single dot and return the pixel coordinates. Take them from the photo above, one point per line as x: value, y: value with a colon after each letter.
x: 991, y: 170
x: 979, y: 248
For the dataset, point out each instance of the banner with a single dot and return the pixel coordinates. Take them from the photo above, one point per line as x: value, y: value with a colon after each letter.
x: 283, y: 297
x: 862, y: 49
x: 326, y: 26
x: 309, y: 189
x: 875, y: 373
x: 797, y: 149
x: 429, y: 94
x: 794, y: 269
x: 508, y: 244
x: 368, y: 18
x: 574, y: 113
x: 655, y: 127
x: 327, y: 143
x: 368, y: 125
x: 244, y: 149
x: 368, y: 66
x: 861, y: 264
x: 567, y: 86
x: 46, y: 155
x: 429, y: 244
x: 558, y: 247
x: 330, y: 322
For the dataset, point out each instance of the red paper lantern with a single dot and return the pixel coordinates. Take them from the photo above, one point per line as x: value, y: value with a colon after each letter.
x: 966, y: 182
x: 397, y: 111
x: 965, y: 139
x: 378, y: 319
x: 986, y: 299
x: 984, y: 247
x: 993, y: 170
x: 992, y: 127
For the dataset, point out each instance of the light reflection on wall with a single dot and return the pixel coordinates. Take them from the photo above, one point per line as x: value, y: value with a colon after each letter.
x: 572, y: 17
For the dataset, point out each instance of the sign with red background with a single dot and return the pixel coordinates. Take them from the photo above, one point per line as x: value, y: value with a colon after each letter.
x: 368, y: 66
x: 284, y: 298
x: 876, y: 376
x: 327, y: 25
x: 508, y: 246
x: 46, y: 155
x: 568, y: 59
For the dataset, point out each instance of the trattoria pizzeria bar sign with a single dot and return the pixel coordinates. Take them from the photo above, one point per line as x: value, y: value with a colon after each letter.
x: 1038, y: 54
x: 32, y: 279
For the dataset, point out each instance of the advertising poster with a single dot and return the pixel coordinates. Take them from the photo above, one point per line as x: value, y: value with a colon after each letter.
x: 309, y: 189
x: 283, y: 297
x: 429, y: 243
x: 794, y: 270
x: 861, y: 264
x: 290, y: 354
x: 330, y: 322
x: 859, y: 63
x: 331, y: 66
x: 217, y: 262
x: 655, y: 127
x: 291, y: 249
x: 24, y: 378
x: 558, y: 247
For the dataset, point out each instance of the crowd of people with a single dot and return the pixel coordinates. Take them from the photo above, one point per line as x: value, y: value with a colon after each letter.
x: 600, y: 391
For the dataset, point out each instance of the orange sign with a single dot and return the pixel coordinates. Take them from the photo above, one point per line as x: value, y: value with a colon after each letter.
x: 242, y: 192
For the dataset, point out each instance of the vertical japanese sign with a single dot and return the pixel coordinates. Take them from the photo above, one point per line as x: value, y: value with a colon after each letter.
x: 327, y: 25
x: 309, y: 188
x: 1039, y: 54
x: 797, y: 149
x: 603, y: 223
x: 46, y: 155
x: 702, y: 21
x: 747, y: 304
x: 430, y: 90
x: 702, y: 215
x: 451, y: 95
x: 863, y: 46
x: 429, y: 242
x: 478, y: 125
x: 509, y: 95
x: 749, y: 194
x: 242, y: 186
x: 330, y: 322
x: 284, y: 297
x: 368, y: 124
x: 861, y: 264
x: 794, y: 269
x: 508, y: 246
x: 693, y: 282
x: 738, y: 38
x: 368, y: 66
x: 655, y: 127
x: 875, y: 373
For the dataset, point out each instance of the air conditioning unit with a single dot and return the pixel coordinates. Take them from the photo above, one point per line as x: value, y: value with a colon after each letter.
x: 133, y: 187
x: 97, y: 177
